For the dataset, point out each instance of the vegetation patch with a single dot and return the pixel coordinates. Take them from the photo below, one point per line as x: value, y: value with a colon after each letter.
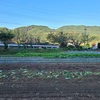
x: 50, y: 53
x: 27, y: 73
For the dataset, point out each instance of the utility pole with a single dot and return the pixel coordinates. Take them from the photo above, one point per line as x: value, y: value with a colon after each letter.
x: 85, y: 34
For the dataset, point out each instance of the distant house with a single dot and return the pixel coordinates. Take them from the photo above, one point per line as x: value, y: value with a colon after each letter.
x: 70, y: 43
x: 94, y: 46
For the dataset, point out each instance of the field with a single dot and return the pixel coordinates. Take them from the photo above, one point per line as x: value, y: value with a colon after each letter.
x: 72, y: 76
x: 50, y: 81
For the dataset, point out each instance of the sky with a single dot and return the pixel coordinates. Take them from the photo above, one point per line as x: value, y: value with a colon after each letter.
x: 51, y: 13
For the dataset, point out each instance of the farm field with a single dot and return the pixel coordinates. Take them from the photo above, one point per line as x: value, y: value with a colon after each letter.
x: 49, y: 50
x: 50, y: 75
x: 50, y: 81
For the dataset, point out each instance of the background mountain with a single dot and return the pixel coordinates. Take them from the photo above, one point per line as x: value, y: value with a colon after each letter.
x: 91, y: 30
x: 43, y: 31
x: 35, y: 31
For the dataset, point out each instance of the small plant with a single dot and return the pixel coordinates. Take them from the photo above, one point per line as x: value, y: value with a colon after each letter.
x: 20, y: 73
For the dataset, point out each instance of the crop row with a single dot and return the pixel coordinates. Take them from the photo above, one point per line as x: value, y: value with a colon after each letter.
x: 26, y: 73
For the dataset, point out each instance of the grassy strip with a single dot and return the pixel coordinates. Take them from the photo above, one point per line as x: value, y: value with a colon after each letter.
x: 57, y: 55
x: 49, y: 53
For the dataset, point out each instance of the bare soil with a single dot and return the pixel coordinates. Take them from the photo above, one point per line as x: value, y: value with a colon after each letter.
x: 85, y: 88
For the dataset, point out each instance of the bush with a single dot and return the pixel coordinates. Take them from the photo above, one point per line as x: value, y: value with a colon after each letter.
x: 71, y: 47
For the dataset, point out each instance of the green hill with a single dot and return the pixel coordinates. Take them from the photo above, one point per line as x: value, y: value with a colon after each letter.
x: 94, y: 30
x: 91, y: 30
x: 43, y: 31
x: 35, y: 31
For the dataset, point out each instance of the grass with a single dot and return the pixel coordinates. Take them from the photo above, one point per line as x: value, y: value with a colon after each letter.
x: 49, y: 53
x: 57, y: 55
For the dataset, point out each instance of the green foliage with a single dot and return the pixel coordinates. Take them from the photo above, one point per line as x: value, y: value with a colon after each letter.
x: 34, y: 31
x: 57, y: 55
x: 71, y: 47
x: 6, y: 36
x: 59, y: 38
x: 27, y: 73
x: 93, y: 31
x: 42, y: 32
x: 50, y: 53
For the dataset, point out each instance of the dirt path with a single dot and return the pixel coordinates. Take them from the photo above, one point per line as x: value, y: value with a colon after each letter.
x: 42, y: 60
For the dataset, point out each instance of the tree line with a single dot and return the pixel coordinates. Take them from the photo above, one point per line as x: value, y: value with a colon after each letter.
x: 60, y: 38
x: 76, y: 39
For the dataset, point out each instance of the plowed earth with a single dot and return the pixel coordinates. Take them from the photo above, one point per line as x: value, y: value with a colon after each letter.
x: 37, y: 88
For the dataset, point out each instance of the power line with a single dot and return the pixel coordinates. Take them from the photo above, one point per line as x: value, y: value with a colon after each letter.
x: 35, y: 8
x: 42, y: 10
x: 85, y: 34
x: 24, y: 16
x: 39, y: 10
x: 10, y: 23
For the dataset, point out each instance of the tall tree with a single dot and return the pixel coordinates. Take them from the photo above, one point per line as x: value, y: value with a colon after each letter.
x: 17, y: 38
x: 59, y: 38
x: 5, y: 37
x: 76, y: 38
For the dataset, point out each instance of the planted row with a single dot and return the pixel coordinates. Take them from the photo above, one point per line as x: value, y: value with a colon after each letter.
x: 26, y: 73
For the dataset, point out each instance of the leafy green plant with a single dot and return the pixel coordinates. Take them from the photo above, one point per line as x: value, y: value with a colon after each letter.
x: 20, y: 73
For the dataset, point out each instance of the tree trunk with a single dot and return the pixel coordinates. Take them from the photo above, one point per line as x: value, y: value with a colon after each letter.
x: 5, y: 45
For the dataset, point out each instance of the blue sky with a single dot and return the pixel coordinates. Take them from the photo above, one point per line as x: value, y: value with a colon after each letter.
x: 51, y: 13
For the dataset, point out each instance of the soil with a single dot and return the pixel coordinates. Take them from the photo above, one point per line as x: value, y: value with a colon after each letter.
x: 85, y: 88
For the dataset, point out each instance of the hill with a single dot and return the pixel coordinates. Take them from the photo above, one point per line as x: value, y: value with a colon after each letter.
x: 91, y: 30
x: 35, y: 31
x: 43, y: 31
